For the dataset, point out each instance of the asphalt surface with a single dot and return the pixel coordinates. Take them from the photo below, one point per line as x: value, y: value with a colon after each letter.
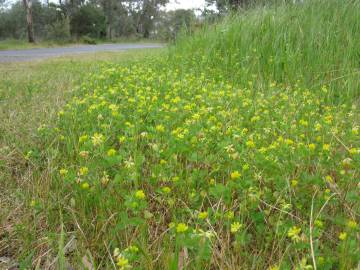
x: 41, y: 53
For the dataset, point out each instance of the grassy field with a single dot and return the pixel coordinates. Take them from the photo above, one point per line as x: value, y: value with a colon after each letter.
x: 238, y: 148
x: 13, y: 44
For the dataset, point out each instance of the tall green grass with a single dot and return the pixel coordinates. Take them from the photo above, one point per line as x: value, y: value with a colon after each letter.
x: 312, y: 43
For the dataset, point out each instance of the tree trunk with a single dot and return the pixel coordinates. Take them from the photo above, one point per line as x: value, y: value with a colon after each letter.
x: 29, y: 21
x: 146, y: 33
x: 108, y: 10
x: 109, y: 31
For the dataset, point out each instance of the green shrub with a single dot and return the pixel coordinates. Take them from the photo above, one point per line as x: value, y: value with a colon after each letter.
x: 59, y: 31
x: 88, y: 40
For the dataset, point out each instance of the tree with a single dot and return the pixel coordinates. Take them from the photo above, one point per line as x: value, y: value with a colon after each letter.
x: 29, y: 20
x: 2, y: 4
x: 55, y: 20
x: 144, y: 13
x: 226, y: 5
x: 115, y: 15
x: 171, y: 23
x: 182, y: 18
x: 89, y: 20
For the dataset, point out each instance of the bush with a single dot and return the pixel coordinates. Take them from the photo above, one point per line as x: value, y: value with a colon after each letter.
x: 88, y: 40
x: 59, y: 31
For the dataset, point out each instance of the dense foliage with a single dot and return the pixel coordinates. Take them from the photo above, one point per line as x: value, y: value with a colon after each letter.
x: 96, y: 19
x: 88, y: 20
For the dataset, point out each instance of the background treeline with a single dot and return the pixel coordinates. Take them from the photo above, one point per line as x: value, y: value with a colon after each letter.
x: 91, y: 20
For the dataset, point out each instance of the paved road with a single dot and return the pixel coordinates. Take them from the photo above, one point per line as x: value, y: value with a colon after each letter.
x: 41, y: 53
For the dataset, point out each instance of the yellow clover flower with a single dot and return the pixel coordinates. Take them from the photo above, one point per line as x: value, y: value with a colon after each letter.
x: 63, y: 172
x: 123, y: 263
x: 312, y: 146
x: 97, y: 139
x: 83, y: 171
x: 293, y: 233
x: 294, y: 182
x: 160, y: 128
x: 235, y: 227
x: 83, y: 138
x: 85, y: 185
x: 352, y: 224
x: 353, y: 151
x: 203, y: 215
x: 140, y: 194
x: 181, y: 228
x: 235, y: 175
x: 342, y: 236
x: 250, y: 144
x: 111, y: 152
x: 166, y: 190
x: 326, y: 147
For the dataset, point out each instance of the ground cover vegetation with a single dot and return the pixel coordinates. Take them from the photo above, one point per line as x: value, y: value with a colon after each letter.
x: 238, y: 150
x: 33, y: 93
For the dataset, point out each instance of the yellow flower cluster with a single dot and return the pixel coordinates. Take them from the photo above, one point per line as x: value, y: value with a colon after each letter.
x: 155, y: 144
